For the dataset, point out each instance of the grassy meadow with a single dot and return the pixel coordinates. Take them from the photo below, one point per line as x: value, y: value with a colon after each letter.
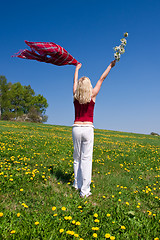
x: 37, y: 200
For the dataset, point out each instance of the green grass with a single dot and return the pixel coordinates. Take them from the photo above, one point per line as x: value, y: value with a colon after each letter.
x: 38, y: 159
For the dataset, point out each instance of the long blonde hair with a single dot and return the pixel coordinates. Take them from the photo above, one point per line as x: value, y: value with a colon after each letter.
x: 84, y: 90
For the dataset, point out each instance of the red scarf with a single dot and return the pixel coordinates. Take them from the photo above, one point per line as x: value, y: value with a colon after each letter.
x: 47, y: 52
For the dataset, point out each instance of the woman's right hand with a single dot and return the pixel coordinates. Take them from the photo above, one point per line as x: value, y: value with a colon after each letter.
x: 79, y: 65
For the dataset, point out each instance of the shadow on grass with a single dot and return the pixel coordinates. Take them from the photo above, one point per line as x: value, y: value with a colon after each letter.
x: 61, y: 176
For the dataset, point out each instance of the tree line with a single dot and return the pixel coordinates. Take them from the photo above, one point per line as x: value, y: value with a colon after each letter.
x: 20, y: 103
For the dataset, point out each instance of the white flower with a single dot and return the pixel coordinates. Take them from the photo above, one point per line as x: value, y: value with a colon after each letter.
x: 123, y: 41
x: 121, y: 49
x: 117, y: 56
x: 126, y: 34
x: 116, y: 48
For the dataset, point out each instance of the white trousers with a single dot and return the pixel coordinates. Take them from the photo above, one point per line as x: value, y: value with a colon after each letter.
x: 83, y: 138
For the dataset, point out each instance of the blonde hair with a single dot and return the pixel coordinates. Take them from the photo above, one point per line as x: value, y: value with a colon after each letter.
x: 84, y: 90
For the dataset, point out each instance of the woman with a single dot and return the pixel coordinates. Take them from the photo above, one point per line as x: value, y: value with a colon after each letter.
x: 82, y: 132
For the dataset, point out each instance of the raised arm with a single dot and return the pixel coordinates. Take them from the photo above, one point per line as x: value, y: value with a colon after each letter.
x: 100, y: 81
x: 76, y: 77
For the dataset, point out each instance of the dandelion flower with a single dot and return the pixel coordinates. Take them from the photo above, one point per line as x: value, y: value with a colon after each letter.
x: 18, y: 214
x: 123, y: 227
x: 96, y: 220
x: 107, y: 235
x: 112, y: 237
x: 78, y: 223
x: 95, y: 235
x: 61, y: 230
x: 36, y: 223
x: 1, y: 214
x: 63, y: 209
x: 76, y: 235
x: 96, y: 215
x: 13, y: 231
x: 108, y: 215
x: 53, y: 208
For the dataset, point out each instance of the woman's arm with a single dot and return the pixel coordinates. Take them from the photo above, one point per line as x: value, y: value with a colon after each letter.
x: 76, y: 77
x: 100, y: 81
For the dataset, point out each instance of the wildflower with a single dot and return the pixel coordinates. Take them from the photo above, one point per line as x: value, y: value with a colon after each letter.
x: 36, y: 223
x: 63, y: 209
x: 21, y: 190
x: 53, y: 208
x: 78, y: 223
x: 104, y: 197
x: 95, y: 235
x: 18, y: 214
x: 76, y: 235
x: 13, y: 231
x: 61, y: 230
x: 96, y: 215
x: 127, y: 203
x: 1, y: 214
x: 55, y: 215
x: 126, y: 34
x: 123, y: 41
x: 108, y: 215
x: 96, y: 220
x: 95, y: 228
x: 107, y: 235
x: 123, y: 227
x: 79, y: 206
x: 73, y: 221
x: 112, y: 237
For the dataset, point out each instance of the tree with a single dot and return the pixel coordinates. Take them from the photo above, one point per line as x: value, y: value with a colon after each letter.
x: 4, y: 98
x: 19, y: 102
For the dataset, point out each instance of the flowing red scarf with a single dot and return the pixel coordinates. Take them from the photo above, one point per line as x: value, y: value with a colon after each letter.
x: 47, y: 52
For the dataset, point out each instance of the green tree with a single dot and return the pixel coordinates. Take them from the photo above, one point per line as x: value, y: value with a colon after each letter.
x: 4, y: 95
x: 20, y: 102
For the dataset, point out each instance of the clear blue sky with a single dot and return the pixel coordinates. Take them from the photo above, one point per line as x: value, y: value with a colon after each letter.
x: 129, y: 100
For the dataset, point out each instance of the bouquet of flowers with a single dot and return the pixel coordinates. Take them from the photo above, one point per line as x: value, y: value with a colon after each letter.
x: 120, y: 49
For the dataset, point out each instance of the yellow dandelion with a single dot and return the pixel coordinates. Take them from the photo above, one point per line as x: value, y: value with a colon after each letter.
x: 95, y: 235
x: 55, y: 215
x: 96, y: 220
x: 76, y: 235
x: 123, y: 227
x: 79, y: 206
x: 1, y: 214
x: 21, y: 190
x: 73, y: 221
x: 95, y: 215
x: 112, y: 237
x: 78, y: 223
x: 13, y: 231
x: 18, y: 214
x: 63, y: 209
x: 127, y: 203
x: 36, y: 223
x: 53, y: 208
x: 107, y: 235
x: 61, y: 230
x: 108, y: 215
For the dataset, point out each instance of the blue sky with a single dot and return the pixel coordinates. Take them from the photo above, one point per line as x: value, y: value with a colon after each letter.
x: 129, y: 100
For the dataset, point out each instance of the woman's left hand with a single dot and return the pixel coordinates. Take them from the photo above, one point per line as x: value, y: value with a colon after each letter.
x: 113, y: 63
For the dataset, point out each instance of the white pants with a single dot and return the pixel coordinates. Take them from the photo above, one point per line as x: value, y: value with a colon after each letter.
x: 83, y: 138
